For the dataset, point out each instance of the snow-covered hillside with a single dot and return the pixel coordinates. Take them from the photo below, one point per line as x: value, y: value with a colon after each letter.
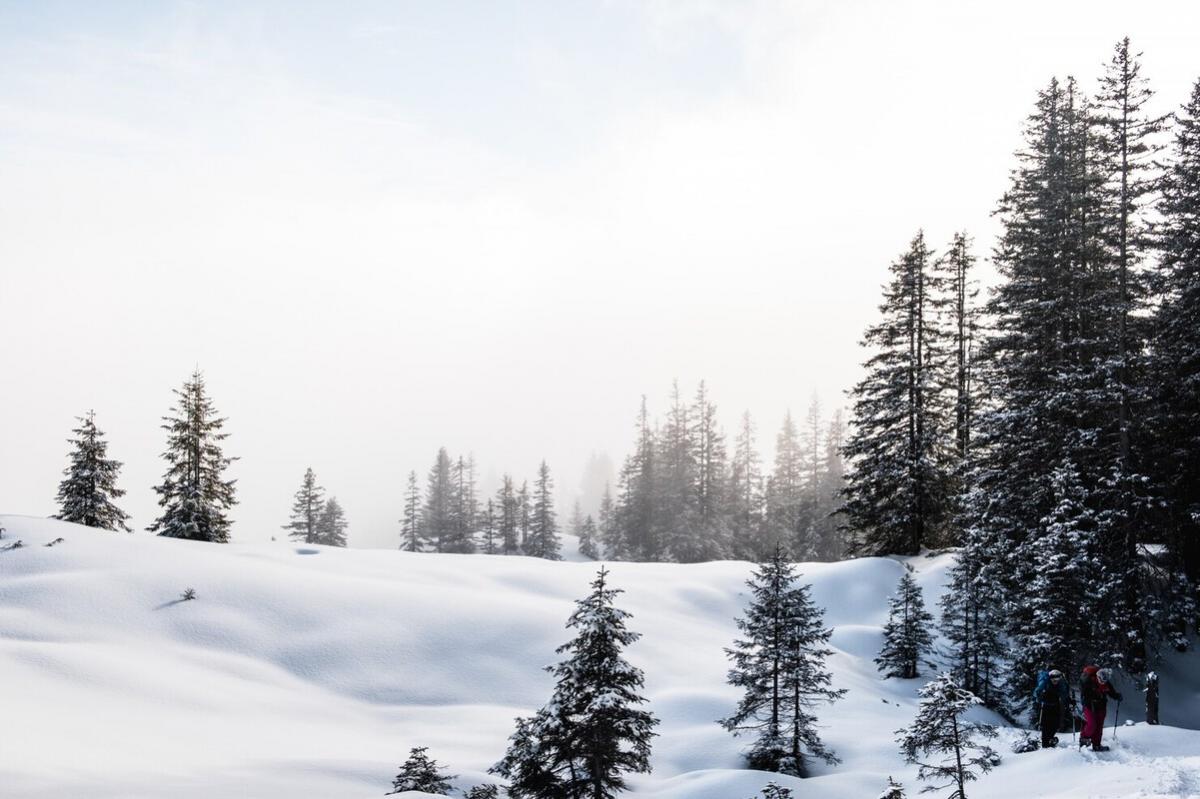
x: 309, y: 672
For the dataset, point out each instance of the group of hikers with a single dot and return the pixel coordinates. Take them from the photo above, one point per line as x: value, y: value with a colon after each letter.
x: 1053, y: 703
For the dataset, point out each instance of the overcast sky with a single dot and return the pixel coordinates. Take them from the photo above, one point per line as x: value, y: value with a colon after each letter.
x: 383, y: 227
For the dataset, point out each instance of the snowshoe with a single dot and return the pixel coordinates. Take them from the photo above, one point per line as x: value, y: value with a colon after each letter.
x: 1100, y: 748
x: 1084, y: 742
x: 1053, y: 742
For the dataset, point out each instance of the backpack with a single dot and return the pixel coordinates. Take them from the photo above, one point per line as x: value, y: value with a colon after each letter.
x: 1043, y: 683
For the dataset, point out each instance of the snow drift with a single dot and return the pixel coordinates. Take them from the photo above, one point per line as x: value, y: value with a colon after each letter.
x: 303, y: 671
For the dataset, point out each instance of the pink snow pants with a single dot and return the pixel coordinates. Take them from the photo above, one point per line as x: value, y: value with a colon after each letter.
x: 1093, y: 724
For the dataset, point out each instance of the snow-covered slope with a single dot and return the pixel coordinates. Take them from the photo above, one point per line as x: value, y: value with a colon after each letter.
x: 304, y: 671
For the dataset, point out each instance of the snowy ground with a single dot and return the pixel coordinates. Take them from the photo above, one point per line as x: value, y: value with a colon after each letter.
x: 309, y: 672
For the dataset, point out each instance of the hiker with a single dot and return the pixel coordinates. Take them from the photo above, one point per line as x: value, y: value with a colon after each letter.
x: 1051, y: 700
x: 1094, y: 690
x: 1152, y: 698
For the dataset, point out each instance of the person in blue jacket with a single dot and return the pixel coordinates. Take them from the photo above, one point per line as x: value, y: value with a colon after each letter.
x: 1052, y: 701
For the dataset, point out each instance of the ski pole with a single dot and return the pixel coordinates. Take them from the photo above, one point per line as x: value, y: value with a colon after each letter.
x: 1116, y: 716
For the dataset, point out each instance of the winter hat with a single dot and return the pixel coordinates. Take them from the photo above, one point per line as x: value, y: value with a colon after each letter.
x: 1104, y: 675
x: 1055, y: 674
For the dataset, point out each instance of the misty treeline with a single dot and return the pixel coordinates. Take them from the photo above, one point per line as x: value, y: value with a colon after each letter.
x: 450, y: 516
x: 682, y: 495
x: 1052, y: 431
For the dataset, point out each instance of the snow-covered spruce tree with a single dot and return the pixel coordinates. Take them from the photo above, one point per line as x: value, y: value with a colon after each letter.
x: 489, y: 543
x: 711, y: 487
x: 587, y: 539
x: 194, y: 494
x: 1177, y: 344
x: 421, y: 773
x: 746, y: 495
x: 832, y: 484
x: 973, y: 626
x: 1060, y: 588
x: 637, y: 533
x: 575, y: 521
x: 331, y: 526
x: 592, y: 732
x: 940, y: 730
x: 606, y: 523
x: 780, y: 666
x: 464, y: 506
x: 785, y: 487
x: 488, y: 791
x: 807, y: 544
x: 907, y: 637
x: 543, y: 540
x: 898, y: 486
x: 412, y: 536
x: 674, y: 497
x: 894, y: 790
x: 508, y: 517
x: 306, y: 509
x: 86, y: 494
x: 438, y: 517
x: 524, y: 514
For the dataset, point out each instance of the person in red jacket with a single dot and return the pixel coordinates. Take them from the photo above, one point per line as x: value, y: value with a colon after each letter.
x: 1094, y: 690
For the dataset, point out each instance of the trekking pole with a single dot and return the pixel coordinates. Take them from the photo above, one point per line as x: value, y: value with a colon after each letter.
x: 1116, y: 716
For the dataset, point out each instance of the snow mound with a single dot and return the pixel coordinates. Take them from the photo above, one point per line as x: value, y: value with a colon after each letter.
x: 310, y: 672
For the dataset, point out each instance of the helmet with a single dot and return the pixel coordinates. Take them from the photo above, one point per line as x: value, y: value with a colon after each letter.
x: 1104, y: 675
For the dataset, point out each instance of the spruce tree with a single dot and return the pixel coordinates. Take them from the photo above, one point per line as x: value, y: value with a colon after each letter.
x: 587, y: 539
x: 543, y: 540
x: 86, y: 494
x: 194, y: 494
x: 306, y: 509
x: 907, y: 637
x: 592, y: 732
x: 437, y: 517
x: 972, y: 623
x: 832, y: 544
x: 1177, y: 345
x: 785, y: 487
x: 675, y: 496
x: 897, y: 492
x: 710, y: 488
x: 607, y: 531
x: 807, y: 545
x: 331, y: 526
x: 421, y: 773
x: 773, y: 790
x: 779, y: 664
x: 637, y: 533
x: 524, y: 509
x: 746, y: 495
x: 490, y: 542
x: 939, y: 729
x: 488, y: 791
x: 412, y: 537
x: 508, y: 517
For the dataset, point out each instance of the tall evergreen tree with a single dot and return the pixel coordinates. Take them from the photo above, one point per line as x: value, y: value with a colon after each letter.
x: 489, y: 539
x: 897, y: 491
x: 543, y: 540
x: 746, y: 495
x: 592, y: 732
x: 785, y: 488
x: 1177, y: 346
x: 194, y: 495
x: 675, y: 497
x: 831, y: 544
x: 972, y: 623
x: 524, y: 515
x: 588, y: 536
x: 508, y: 517
x: 331, y: 526
x: 306, y: 509
x: 939, y: 729
x: 86, y: 494
x: 437, y: 518
x: 779, y: 664
x: 710, y: 488
x: 907, y: 636
x: 412, y: 536
x: 636, y: 516
x: 607, y: 530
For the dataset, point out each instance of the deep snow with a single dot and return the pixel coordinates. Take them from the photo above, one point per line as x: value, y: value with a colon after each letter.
x: 303, y: 671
